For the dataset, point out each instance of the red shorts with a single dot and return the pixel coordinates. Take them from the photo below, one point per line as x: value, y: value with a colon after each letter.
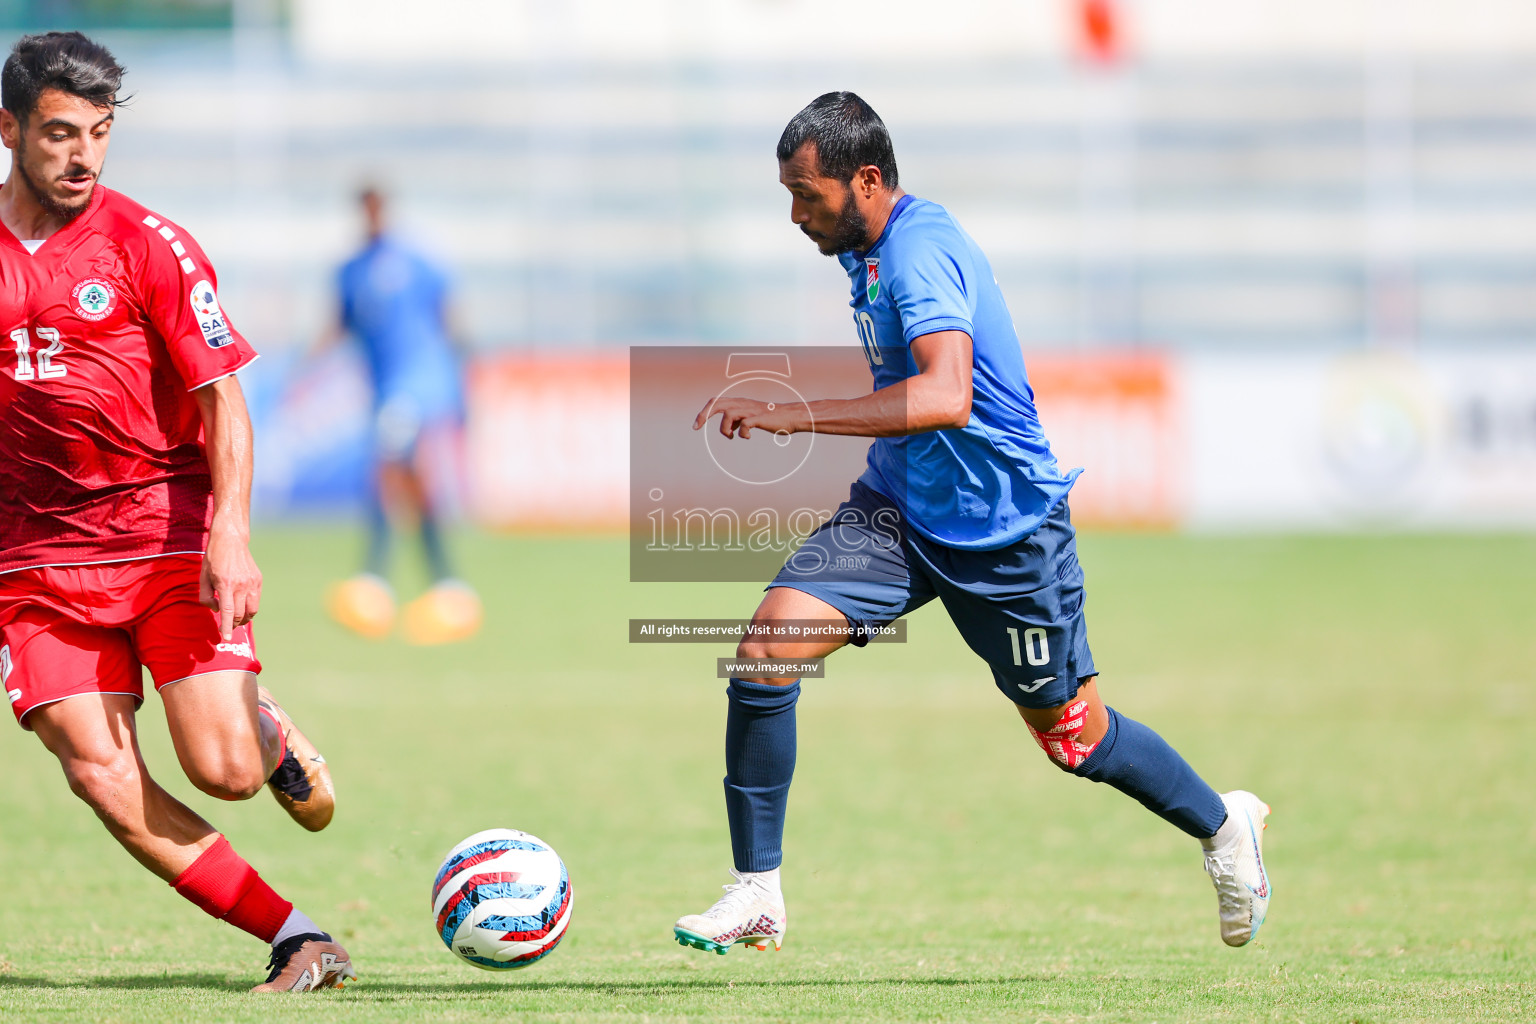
x: 66, y: 630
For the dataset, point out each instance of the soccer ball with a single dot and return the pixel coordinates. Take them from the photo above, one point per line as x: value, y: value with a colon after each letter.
x: 502, y: 899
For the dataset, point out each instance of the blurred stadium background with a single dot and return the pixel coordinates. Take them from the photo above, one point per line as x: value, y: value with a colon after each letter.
x: 1273, y: 261
x: 1274, y: 266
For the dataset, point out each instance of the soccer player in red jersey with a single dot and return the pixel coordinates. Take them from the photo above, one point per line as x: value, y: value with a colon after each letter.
x: 125, y: 472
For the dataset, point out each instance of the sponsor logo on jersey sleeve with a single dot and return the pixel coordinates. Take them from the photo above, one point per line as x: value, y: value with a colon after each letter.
x: 872, y: 286
x: 94, y: 299
x: 210, y: 318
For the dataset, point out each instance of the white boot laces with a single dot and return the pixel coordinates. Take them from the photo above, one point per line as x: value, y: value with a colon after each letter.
x: 738, y: 897
x: 1221, y: 865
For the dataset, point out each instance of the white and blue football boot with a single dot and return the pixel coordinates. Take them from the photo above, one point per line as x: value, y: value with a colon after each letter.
x: 1237, y: 870
x: 750, y: 913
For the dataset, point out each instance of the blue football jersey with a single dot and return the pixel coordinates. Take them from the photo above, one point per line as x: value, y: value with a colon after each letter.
x: 991, y: 482
x: 392, y: 301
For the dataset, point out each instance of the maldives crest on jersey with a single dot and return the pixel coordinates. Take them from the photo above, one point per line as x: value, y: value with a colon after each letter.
x: 210, y: 318
x: 872, y: 283
x: 94, y: 299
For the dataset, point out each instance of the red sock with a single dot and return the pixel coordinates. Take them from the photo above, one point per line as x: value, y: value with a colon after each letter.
x: 224, y: 885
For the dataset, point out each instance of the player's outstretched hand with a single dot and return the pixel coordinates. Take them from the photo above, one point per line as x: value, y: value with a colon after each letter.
x: 740, y: 416
x: 231, y: 582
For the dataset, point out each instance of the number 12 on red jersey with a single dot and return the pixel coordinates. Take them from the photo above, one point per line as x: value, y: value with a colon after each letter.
x: 46, y: 368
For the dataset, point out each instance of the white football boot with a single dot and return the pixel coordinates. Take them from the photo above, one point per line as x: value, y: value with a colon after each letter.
x: 1237, y: 869
x: 750, y: 912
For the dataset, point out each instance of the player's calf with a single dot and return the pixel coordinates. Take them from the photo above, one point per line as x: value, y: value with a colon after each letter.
x: 94, y: 742
x: 1099, y: 744
x: 102, y: 781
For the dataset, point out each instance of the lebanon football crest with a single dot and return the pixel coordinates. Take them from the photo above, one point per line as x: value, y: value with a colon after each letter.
x: 872, y: 286
x: 94, y: 298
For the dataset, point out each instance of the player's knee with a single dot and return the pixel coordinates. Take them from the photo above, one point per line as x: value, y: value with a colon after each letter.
x: 754, y: 648
x: 757, y: 648
x: 1063, y: 741
x: 766, y: 647
x: 104, y: 783
x: 229, y: 779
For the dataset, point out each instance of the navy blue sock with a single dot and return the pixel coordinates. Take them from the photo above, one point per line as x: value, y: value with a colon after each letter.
x: 1140, y: 763
x: 759, y: 764
x: 432, y: 544
x: 376, y: 561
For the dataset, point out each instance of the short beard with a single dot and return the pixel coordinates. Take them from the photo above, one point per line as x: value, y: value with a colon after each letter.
x: 52, y: 206
x: 851, y: 231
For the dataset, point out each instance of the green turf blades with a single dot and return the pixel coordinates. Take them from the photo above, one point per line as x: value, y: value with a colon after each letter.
x: 912, y: 770
x: 688, y: 938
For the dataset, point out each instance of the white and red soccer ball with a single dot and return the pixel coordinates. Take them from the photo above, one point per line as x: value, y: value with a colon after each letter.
x: 501, y: 899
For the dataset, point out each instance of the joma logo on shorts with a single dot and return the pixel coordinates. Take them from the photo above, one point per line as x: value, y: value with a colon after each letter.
x: 242, y: 648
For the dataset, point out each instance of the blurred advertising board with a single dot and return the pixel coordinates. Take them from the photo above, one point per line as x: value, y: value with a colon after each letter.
x: 1117, y: 415
x: 1396, y: 441
x: 1205, y: 441
x: 548, y: 440
x: 549, y: 435
x: 1362, y: 440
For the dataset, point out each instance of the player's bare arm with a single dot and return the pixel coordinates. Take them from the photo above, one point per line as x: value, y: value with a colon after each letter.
x: 231, y: 582
x: 937, y: 397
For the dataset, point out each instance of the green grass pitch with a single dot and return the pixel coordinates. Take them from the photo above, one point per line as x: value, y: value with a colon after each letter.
x: 1379, y: 692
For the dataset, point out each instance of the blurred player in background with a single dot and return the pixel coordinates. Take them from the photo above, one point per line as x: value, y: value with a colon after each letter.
x: 962, y: 501
x: 394, y: 301
x: 125, y: 481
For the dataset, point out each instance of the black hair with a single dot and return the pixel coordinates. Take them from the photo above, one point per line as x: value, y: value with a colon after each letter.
x: 848, y: 135
x: 67, y: 61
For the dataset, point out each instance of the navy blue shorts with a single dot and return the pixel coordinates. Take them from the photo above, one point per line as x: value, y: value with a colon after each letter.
x: 1019, y: 607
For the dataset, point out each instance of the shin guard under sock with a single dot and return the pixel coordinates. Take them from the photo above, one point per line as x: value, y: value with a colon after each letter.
x: 759, y: 765
x: 1140, y: 763
x: 225, y: 886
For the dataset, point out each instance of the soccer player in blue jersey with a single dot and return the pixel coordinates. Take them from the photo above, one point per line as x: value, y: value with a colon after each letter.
x: 394, y: 302
x: 962, y: 501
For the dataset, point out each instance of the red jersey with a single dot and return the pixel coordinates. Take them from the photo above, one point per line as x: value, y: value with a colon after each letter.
x: 103, y: 332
